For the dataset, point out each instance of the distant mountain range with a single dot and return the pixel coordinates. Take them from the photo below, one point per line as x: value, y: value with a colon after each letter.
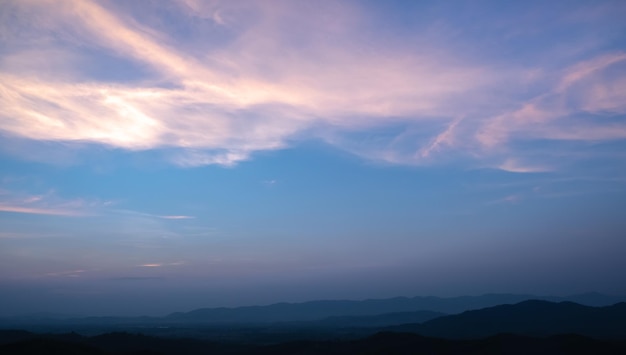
x: 531, y: 326
x: 317, y: 310
x: 340, y: 313
x: 379, y: 320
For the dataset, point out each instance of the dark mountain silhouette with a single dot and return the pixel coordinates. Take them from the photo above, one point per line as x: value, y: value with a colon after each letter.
x: 405, y: 343
x: 380, y: 343
x: 49, y: 346
x: 379, y: 320
x: 593, y: 299
x: 109, y: 343
x: 534, y: 317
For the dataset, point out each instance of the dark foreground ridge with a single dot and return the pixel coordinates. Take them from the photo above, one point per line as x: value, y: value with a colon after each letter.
x: 17, y: 343
x: 534, y: 318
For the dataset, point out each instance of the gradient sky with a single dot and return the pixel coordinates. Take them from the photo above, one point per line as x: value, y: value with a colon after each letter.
x: 164, y: 156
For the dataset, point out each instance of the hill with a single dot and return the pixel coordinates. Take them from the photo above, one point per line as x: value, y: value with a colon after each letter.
x: 534, y: 317
x: 380, y: 343
x: 317, y: 310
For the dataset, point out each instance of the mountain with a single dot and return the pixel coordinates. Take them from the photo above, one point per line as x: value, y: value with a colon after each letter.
x: 408, y: 344
x: 317, y: 310
x: 380, y: 343
x: 534, y: 317
x: 379, y: 320
x: 298, y: 312
x: 594, y: 299
x: 387, y: 310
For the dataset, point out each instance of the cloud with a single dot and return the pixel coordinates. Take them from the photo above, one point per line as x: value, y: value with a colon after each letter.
x: 42, y: 211
x: 151, y: 265
x: 137, y: 278
x: 446, y: 138
x: 584, y: 94
x: 514, y: 166
x: 510, y: 199
x: 154, y: 265
x: 152, y: 216
x: 235, y: 78
x: 48, y: 204
x: 206, y: 110
x: 177, y: 217
x: 70, y: 273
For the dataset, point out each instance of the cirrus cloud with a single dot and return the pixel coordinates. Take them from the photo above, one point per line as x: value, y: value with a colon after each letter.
x: 244, y: 77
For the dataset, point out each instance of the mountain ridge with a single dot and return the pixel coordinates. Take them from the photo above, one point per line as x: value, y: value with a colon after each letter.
x: 312, y: 310
x: 320, y: 310
x: 531, y: 317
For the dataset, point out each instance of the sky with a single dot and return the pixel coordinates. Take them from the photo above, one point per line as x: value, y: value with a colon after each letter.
x: 161, y: 156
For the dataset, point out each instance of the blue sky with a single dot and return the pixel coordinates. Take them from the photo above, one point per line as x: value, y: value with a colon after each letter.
x: 165, y: 156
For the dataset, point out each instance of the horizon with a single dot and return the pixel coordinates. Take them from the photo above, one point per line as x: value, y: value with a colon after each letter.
x: 532, y: 297
x: 165, y: 314
x: 202, y: 153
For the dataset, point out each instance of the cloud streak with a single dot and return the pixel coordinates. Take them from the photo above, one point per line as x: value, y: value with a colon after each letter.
x: 259, y: 85
x: 48, y: 204
x: 177, y: 217
x: 157, y: 265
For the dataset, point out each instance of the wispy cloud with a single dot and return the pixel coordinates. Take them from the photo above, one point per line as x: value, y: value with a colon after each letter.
x: 48, y: 204
x: 151, y: 215
x: 514, y: 166
x: 69, y: 273
x: 589, y: 88
x: 138, y: 278
x: 509, y: 199
x: 446, y: 138
x: 152, y: 265
x: 59, y: 211
x: 218, y: 101
x: 176, y: 217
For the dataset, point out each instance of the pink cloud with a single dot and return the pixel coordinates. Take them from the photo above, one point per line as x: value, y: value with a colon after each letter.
x: 514, y: 166
x: 324, y: 85
x: 222, y: 103
x: 48, y: 204
x: 43, y: 211
x: 151, y: 265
